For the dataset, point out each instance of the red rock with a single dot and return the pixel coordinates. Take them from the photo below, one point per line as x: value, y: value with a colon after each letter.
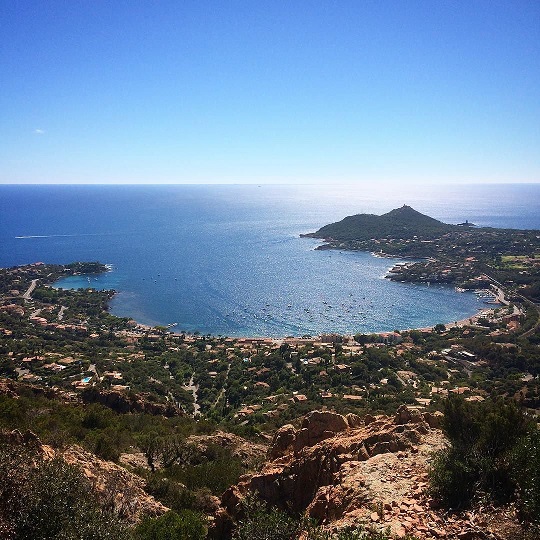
x: 434, y: 420
x: 319, y: 422
x: 321, y: 469
x: 282, y: 442
x: 400, y: 532
x: 354, y: 421
x: 369, y: 419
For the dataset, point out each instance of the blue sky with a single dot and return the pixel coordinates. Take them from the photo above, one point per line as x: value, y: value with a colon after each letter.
x: 260, y: 91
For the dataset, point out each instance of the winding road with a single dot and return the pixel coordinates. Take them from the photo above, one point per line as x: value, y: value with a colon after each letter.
x: 28, y: 294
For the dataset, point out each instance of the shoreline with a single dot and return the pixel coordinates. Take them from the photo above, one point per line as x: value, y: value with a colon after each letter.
x: 466, y: 321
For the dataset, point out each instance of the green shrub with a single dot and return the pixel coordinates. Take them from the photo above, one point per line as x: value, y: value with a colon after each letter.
x: 263, y: 523
x: 480, y: 459
x: 42, y: 500
x: 186, y: 525
x: 526, y: 467
x: 453, y: 480
x: 171, y: 493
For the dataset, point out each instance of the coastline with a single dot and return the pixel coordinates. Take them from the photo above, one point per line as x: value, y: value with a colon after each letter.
x: 147, y: 328
x: 470, y: 320
x: 467, y: 321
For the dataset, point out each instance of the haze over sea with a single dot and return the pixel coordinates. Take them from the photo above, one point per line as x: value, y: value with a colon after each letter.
x: 228, y: 260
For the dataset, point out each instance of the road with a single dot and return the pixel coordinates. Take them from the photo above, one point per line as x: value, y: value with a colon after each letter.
x: 193, y: 388
x: 536, y: 326
x: 220, y: 395
x: 28, y: 294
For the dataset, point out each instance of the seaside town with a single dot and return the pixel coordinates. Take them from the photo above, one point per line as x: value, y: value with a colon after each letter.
x: 67, y: 340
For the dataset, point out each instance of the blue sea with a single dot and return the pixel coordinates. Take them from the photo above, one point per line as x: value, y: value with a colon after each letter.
x: 228, y: 260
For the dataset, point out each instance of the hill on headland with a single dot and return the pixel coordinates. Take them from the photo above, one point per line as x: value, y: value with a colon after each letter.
x: 401, y: 222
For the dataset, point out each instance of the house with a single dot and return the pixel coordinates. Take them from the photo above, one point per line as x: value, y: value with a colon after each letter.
x: 351, y: 397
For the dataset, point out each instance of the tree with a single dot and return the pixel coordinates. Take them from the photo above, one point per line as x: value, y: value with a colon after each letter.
x: 526, y: 467
x: 151, y: 445
x: 263, y: 523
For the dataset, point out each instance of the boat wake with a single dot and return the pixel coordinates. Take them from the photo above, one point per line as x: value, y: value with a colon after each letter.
x: 44, y: 235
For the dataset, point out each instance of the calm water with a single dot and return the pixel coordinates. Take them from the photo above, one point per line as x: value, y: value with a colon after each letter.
x: 228, y: 259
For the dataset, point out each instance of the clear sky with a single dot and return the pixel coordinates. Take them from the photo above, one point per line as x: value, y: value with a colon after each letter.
x: 269, y: 91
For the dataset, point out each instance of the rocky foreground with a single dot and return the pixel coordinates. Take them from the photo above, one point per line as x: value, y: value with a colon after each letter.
x: 344, y: 471
x: 117, y: 488
x: 341, y: 471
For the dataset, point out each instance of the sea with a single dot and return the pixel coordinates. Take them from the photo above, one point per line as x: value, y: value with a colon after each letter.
x: 228, y: 260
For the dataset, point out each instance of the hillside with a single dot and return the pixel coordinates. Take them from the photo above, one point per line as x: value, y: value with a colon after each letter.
x: 400, y: 222
x: 342, y: 471
x: 325, y: 476
x: 461, y: 254
x: 190, y: 416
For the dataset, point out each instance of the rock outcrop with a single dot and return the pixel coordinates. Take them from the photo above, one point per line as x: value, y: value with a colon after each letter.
x: 126, y: 403
x: 249, y: 452
x: 317, y: 468
x: 117, y: 488
x: 14, y: 389
x: 342, y: 471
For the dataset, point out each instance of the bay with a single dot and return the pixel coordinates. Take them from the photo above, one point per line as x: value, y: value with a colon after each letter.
x: 228, y: 260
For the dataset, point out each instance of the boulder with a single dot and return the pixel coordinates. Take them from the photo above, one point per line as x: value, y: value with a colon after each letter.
x: 434, y: 420
x: 369, y: 419
x: 323, y: 424
x: 282, y: 442
x: 354, y: 421
x: 404, y: 415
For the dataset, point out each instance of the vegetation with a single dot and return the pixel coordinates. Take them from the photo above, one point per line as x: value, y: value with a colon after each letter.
x: 112, y: 386
x: 261, y: 522
x: 247, y: 386
x: 454, y: 254
x: 526, y: 470
x: 47, y: 500
x: 403, y: 222
x: 493, y: 454
x: 188, y: 473
x: 172, y: 526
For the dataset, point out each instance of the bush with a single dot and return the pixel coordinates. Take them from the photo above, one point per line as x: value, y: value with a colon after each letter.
x: 263, y: 523
x: 526, y: 468
x: 480, y: 461
x: 186, y: 525
x: 42, y: 500
x: 452, y: 478
x: 171, y: 493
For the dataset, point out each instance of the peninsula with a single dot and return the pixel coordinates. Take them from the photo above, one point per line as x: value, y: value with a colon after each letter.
x: 464, y: 255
